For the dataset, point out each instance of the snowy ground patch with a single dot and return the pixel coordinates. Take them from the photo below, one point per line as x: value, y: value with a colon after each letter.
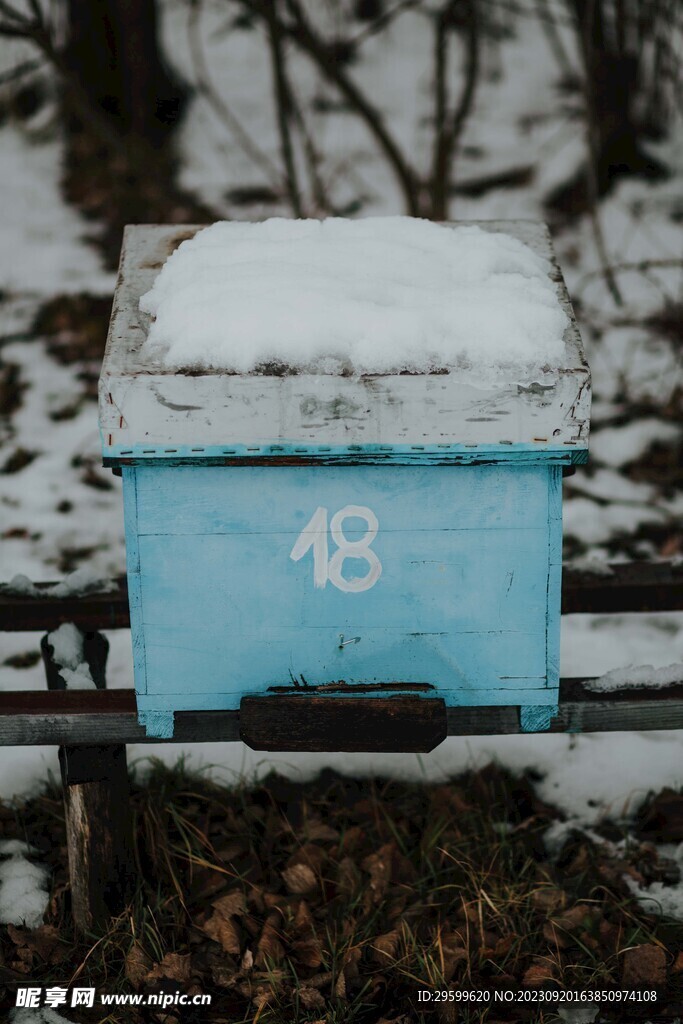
x: 23, y: 895
x: 67, y: 646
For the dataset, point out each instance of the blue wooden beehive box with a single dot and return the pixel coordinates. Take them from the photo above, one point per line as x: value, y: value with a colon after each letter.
x: 323, y: 536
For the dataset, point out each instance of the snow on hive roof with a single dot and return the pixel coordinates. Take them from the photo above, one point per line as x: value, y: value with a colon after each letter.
x: 379, y: 295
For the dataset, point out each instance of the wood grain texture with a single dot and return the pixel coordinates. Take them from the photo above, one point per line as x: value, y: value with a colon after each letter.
x: 99, y: 838
x: 98, y: 822
x: 410, y: 724
x: 143, y: 404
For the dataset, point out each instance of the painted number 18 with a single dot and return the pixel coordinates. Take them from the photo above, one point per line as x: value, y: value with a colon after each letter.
x: 314, y: 535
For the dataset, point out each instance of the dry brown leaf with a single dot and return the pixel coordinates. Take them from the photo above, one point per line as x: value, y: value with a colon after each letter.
x: 555, y: 935
x: 348, y: 877
x: 299, y: 879
x: 230, y: 850
x: 269, y: 949
x: 379, y: 866
x: 225, y: 931
x: 207, y: 883
x: 233, y: 904
x: 224, y: 975
x: 311, y: 855
x: 644, y: 965
x: 538, y: 973
x: 44, y: 940
x: 318, y: 831
x: 662, y: 818
x: 549, y: 899
x: 275, y: 900
x: 310, y: 998
x: 351, y: 839
x: 303, y: 920
x: 350, y: 962
x: 384, y: 949
x: 22, y: 967
x: 677, y: 964
x: 174, y: 966
x: 321, y: 980
x: 451, y: 959
x: 138, y: 965
x: 573, y: 921
x: 308, y: 952
x: 609, y: 934
x: 340, y: 986
x: 221, y: 926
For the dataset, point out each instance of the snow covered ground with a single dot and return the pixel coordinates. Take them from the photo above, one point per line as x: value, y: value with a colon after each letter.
x: 59, y: 511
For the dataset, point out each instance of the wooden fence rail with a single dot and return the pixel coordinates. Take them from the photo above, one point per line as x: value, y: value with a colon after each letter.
x: 37, y: 717
x: 627, y: 587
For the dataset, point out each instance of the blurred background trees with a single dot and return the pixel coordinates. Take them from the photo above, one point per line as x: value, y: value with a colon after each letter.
x: 118, y: 83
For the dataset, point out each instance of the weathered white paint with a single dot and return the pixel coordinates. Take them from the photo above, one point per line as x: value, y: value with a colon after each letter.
x: 143, y: 403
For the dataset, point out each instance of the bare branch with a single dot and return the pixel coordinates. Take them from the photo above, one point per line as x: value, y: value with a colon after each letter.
x: 447, y: 136
x: 303, y: 33
x: 25, y: 68
x: 283, y: 106
x: 206, y: 87
x: 313, y: 161
x: 592, y: 32
x: 383, y: 21
x: 548, y: 23
x: 14, y: 15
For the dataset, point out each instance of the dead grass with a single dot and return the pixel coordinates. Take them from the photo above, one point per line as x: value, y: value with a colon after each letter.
x: 339, y: 899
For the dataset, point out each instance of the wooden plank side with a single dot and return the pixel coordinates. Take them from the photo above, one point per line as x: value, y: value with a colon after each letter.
x: 204, y: 596
x: 268, y: 500
x: 133, y: 569
x: 554, y: 596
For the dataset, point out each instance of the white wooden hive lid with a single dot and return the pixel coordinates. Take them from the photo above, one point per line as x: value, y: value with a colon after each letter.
x: 148, y: 411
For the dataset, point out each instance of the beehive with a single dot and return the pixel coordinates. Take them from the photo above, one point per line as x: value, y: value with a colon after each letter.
x: 316, y: 533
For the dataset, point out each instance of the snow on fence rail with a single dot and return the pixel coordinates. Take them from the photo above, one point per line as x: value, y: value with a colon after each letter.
x: 625, y: 587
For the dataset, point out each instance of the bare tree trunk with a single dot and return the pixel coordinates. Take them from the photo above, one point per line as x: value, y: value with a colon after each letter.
x: 612, y: 69
x: 113, y: 47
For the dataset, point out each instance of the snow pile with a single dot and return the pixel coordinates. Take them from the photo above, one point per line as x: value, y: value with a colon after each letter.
x: 592, y: 565
x: 635, y: 676
x: 67, y: 646
x: 41, y: 1015
x: 380, y: 295
x: 658, y: 897
x: 81, y: 581
x: 23, y: 898
x: 619, y: 446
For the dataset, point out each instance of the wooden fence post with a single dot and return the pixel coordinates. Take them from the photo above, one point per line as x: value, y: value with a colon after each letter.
x: 97, y: 809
